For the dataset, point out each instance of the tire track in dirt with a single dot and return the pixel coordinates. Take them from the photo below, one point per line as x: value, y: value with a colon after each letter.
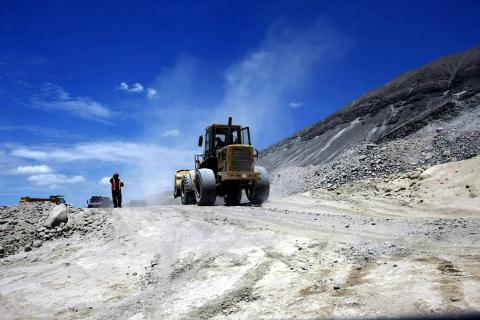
x: 242, y: 292
x: 449, y: 283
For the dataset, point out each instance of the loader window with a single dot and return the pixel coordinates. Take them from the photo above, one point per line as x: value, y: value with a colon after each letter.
x: 224, y: 138
x: 220, y: 141
x: 246, y: 136
x: 207, y: 141
x: 235, y: 137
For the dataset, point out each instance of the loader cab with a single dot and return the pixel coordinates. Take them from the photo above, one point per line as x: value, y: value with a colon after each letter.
x: 219, y: 136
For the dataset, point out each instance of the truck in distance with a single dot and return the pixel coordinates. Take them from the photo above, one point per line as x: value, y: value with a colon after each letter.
x: 57, y: 199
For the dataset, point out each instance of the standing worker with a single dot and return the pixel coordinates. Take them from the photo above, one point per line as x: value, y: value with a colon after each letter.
x: 117, y: 185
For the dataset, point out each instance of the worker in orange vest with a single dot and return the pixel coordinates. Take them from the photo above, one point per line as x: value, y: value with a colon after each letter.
x: 117, y: 185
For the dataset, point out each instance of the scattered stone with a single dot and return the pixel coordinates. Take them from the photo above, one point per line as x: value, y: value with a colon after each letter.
x: 57, y: 216
x: 336, y: 287
x: 29, y: 228
x: 27, y: 248
x: 37, y: 243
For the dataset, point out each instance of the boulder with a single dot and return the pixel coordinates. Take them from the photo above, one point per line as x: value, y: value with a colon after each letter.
x: 57, y: 216
x: 37, y: 244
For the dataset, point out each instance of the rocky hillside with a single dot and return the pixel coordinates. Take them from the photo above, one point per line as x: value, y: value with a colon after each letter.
x: 439, y: 91
x: 424, y: 117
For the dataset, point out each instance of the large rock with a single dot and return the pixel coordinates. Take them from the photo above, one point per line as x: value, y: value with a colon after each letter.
x: 37, y: 244
x: 57, y: 216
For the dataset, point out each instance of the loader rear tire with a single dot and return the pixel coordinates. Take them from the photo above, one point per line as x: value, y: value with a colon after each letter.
x: 205, y: 187
x: 259, y: 190
x: 187, y: 193
x: 233, y: 196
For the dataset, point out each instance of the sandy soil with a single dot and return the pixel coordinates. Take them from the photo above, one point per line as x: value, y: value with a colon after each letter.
x: 402, y: 245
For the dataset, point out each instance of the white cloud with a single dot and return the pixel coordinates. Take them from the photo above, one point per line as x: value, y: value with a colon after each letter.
x: 151, y: 93
x: 114, y: 151
x: 171, y: 133
x: 56, y: 98
x: 137, y: 88
x: 38, y: 169
x: 147, y: 164
x: 54, y: 179
x: 123, y: 86
x: 134, y: 88
x: 105, y: 181
x: 295, y: 105
x: 43, y: 175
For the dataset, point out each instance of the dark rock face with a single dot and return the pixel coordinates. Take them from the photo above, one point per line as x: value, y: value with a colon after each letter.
x: 437, y: 93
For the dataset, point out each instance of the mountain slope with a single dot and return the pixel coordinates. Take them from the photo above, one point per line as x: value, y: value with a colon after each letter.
x: 437, y: 92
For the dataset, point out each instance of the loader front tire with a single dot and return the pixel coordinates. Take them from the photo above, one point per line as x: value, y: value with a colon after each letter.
x: 259, y: 190
x: 205, y: 187
x: 187, y: 193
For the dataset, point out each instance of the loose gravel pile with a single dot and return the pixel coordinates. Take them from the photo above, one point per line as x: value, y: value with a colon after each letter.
x: 440, y: 143
x: 417, y: 120
x: 24, y: 226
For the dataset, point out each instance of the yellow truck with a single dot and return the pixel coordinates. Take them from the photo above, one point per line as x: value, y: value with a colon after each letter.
x: 58, y: 199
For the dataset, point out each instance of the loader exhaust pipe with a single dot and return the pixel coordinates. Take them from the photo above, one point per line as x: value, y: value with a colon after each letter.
x: 229, y: 137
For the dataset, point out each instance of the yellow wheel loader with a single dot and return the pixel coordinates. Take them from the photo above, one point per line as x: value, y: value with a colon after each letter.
x: 224, y: 169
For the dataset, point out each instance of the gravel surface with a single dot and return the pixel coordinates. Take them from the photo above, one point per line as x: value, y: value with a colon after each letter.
x: 341, y: 253
x: 24, y: 227
x: 439, y: 142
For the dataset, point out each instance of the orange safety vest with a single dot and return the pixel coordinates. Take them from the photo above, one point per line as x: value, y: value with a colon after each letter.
x: 119, y: 185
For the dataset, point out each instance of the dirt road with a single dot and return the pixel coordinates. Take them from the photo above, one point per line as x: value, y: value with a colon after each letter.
x: 397, y: 245
x: 302, y: 256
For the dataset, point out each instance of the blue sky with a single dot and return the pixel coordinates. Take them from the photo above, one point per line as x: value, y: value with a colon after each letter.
x: 89, y: 88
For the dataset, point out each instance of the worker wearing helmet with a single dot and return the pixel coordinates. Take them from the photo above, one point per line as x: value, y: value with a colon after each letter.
x: 117, y: 185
